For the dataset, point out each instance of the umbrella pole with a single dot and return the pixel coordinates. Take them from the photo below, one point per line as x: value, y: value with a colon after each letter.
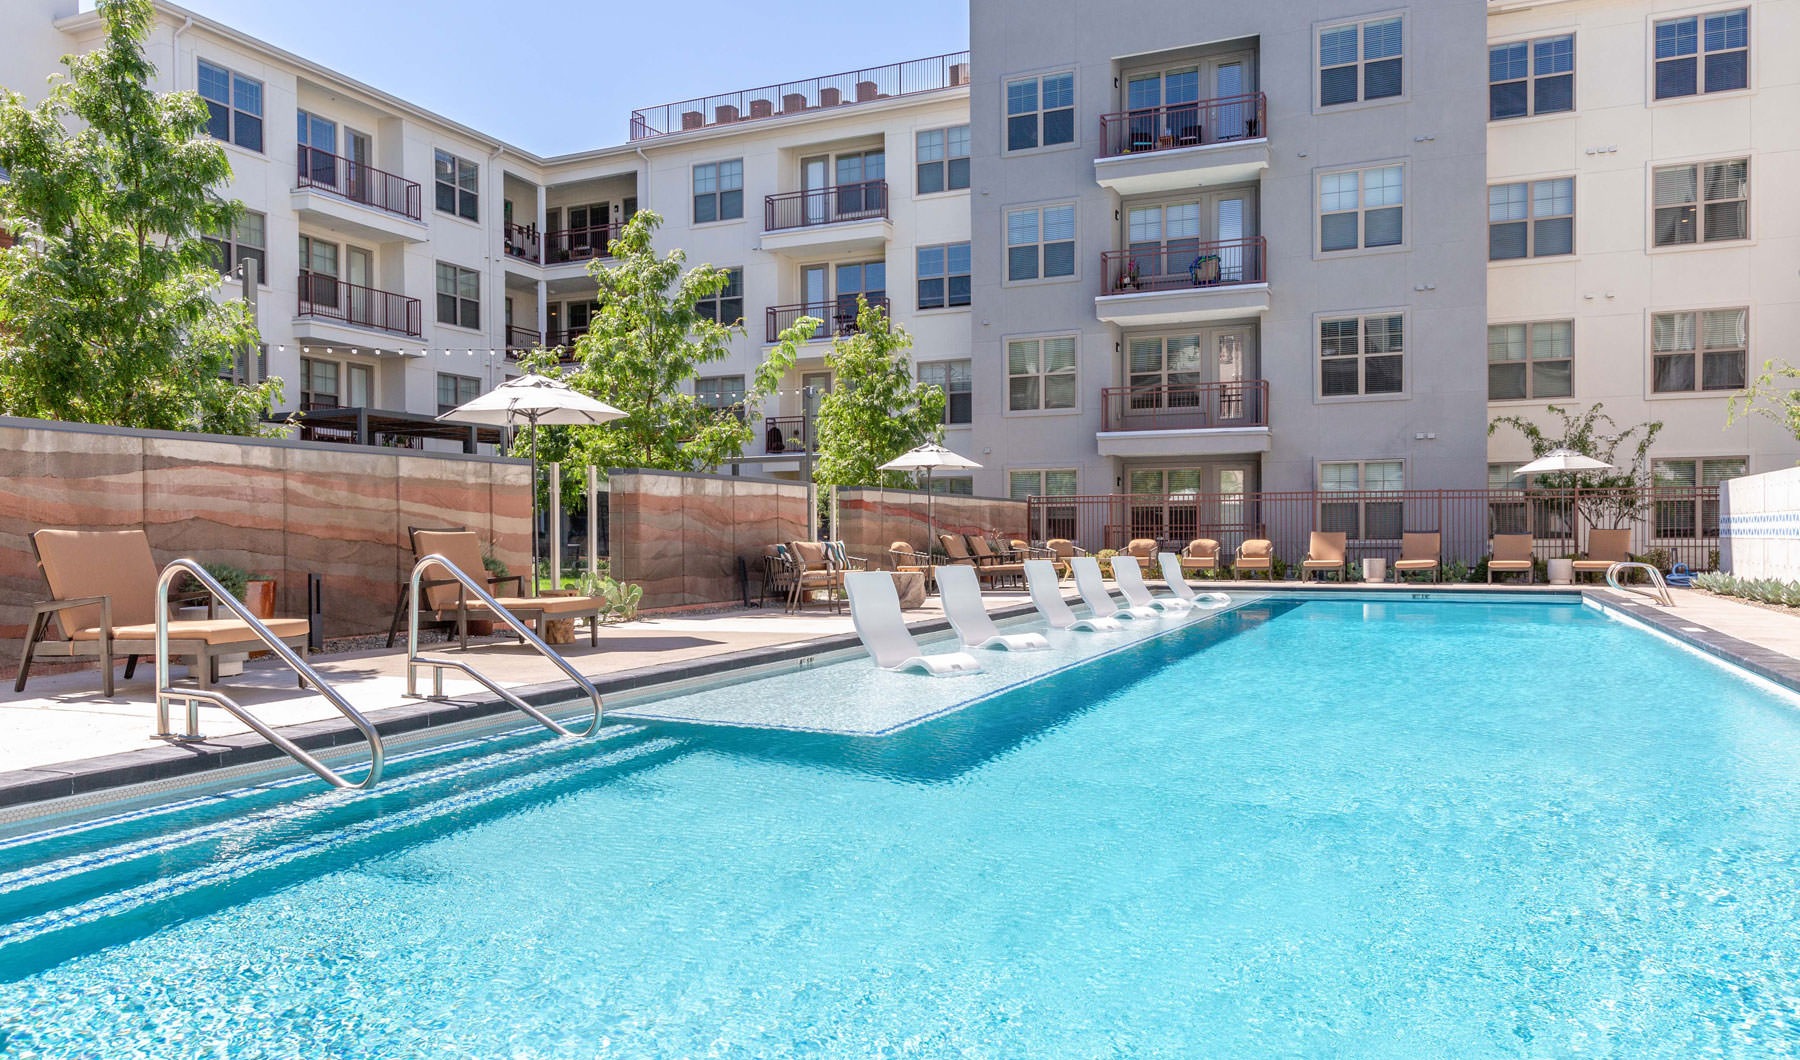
x: 930, y: 515
x: 532, y: 419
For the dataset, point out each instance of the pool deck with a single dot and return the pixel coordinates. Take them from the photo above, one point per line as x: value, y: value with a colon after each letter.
x: 63, y: 738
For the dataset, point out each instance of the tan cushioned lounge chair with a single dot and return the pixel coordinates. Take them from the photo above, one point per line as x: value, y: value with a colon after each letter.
x: 1255, y: 554
x: 1512, y: 555
x: 1324, y: 551
x: 990, y: 573
x: 1144, y: 548
x: 813, y: 572
x: 1202, y: 553
x: 445, y: 595
x: 1418, y: 552
x: 1605, y: 548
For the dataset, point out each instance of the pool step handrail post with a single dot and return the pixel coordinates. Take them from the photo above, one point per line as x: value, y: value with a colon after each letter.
x: 166, y: 692
x: 438, y: 664
x: 1659, y: 590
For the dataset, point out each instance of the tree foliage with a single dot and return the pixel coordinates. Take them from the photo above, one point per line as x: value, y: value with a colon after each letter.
x: 1768, y: 396
x: 1608, y: 497
x: 648, y: 339
x: 876, y: 411
x: 107, y: 308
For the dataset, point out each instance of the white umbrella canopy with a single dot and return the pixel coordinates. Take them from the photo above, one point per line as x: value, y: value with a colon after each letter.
x: 1557, y: 460
x: 928, y: 458
x: 533, y: 399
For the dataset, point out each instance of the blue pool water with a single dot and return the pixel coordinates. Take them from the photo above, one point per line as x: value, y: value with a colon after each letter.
x: 1307, y: 829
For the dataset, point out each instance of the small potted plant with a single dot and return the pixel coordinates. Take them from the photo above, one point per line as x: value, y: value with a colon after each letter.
x: 1129, y: 281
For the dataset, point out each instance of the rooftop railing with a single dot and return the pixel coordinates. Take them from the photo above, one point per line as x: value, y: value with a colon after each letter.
x: 795, y: 97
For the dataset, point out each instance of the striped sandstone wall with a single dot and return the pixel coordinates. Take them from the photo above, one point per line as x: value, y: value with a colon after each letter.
x: 270, y: 506
x: 872, y: 519
x: 680, y: 534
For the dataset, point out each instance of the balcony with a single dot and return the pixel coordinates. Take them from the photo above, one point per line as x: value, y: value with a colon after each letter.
x: 356, y: 199
x: 520, y: 341
x: 1185, y: 419
x: 565, y: 245
x: 1180, y: 145
x: 1183, y: 282
x: 332, y: 301
x: 800, y: 97
x: 785, y: 434
x: 844, y: 217
x: 839, y: 317
x: 523, y: 242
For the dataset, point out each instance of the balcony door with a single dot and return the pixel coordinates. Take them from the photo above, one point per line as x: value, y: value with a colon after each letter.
x: 1193, y: 380
x: 360, y: 386
x: 815, y: 180
x: 364, y: 299
x: 358, y: 157
x: 1228, y: 77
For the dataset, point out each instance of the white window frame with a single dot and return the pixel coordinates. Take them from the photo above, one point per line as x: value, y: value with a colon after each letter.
x: 1699, y: 203
x: 717, y: 301
x: 1531, y: 360
x: 1362, y: 319
x: 1360, y: 24
x: 945, y: 161
x: 717, y: 192
x: 1362, y: 208
x: 946, y: 375
x: 1043, y: 475
x: 1700, y: 55
x: 1535, y: 199
x: 464, y: 185
x: 232, y: 108
x: 710, y: 391
x: 230, y: 248
x: 462, y: 304
x: 1362, y: 491
x: 943, y: 277
x: 1698, y: 353
x: 456, y: 381
x: 1533, y: 76
x: 1040, y: 243
x: 1043, y: 377
x: 1037, y: 80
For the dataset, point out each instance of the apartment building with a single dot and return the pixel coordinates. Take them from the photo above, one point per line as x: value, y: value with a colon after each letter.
x: 1222, y: 250
x: 1643, y: 239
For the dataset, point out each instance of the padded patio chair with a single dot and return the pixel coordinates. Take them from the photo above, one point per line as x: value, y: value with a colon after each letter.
x: 1512, y: 555
x: 813, y: 573
x: 103, y: 602
x: 990, y: 573
x: 446, y: 599
x: 1419, y: 554
x: 1255, y: 554
x: 1324, y: 552
x: 1177, y: 582
x: 875, y: 612
x: 1202, y: 553
x: 1063, y: 550
x: 985, y: 551
x: 905, y: 557
x: 1605, y: 548
x: 1129, y: 577
x: 961, y: 592
x: 1143, y: 548
x: 1095, y: 595
x: 1044, y: 582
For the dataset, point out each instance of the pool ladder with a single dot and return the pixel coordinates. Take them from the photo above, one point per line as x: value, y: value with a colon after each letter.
x: 1658, y: 591
x: 438, y: 664
x: 166, y: 693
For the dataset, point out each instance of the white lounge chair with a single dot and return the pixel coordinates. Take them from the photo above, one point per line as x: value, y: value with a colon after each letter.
x: 1093, y: 592
x: 1044, y: 581
x: 960, y: 588
x: 875, y: 612
x: 1177, y: 579
x: 1129, y: 577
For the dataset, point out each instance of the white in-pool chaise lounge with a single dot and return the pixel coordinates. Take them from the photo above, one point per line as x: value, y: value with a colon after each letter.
x: 1092, y: 588
x: 1044, y: 581
x: 1129, y: 577
x: 1177, y: 579
x: 959, y: 586
x: 875, y: 612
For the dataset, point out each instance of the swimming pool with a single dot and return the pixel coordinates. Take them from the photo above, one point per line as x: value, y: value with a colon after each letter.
x: 1306, y: 827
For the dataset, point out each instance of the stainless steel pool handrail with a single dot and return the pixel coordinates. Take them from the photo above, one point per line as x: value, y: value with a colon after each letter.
x: 165, y: 692
x: 439, y: 664
x: 1661, y: 593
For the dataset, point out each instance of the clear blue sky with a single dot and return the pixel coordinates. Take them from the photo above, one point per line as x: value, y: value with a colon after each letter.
x: 561, y: 75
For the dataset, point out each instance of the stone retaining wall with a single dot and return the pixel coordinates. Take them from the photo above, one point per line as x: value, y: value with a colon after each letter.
x: 680, y: 534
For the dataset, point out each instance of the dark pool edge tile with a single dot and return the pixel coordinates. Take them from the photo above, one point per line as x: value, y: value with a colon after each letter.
x: 1766, y: 663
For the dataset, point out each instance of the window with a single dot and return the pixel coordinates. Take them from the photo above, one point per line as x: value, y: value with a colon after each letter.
x: 247, y: 239
x: 719, y: 191
x: 234, y: 105
x: 944, y: 276
x: 943, y: 158
x: 726, y: 306
x: 458, y: 296
x: 1534, y: 220
x: 1025, y: 484
x: 1365, y: 516
x: 1040, y: 243
x: 1040, y: 111
x: 1531, y: 77
x: 1360, y: 356
x: 1155, y: 363
x: 1718, y: 337
x: 458, y: 185
x: 318, y: 384
x: 1683, y: 517
x: 1360, y: 61
x: 956, y: 378
x: 454, y: 390
x: 1361, y: 208
x: 724, y: 392
x: 1721, y: 188
x: 955, y: 485
x: 1530, y: 360
x: 1721, y: 42
x: 1040, y: 374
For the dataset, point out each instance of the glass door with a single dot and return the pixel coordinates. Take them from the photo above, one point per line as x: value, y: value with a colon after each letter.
x: 357, y: 159
x: 815, y: 291
x: 1230, y: 368
x: 361, y: 391
x: 1229, y: 79
x: 815, y: 178
x: 363, y: 299
x: 1231, y: 259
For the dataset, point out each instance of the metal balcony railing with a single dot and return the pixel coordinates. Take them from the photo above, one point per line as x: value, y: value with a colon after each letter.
x: 359, y: 182
x: 329, y: 298
x: 839, y: 316
x: 578, y: 244
x: 1183, y: 263
x: 1185, y: 406
x: 522, y: 242
x: 1204, y: 121
x: 862, y: 201
x: 786, y: 434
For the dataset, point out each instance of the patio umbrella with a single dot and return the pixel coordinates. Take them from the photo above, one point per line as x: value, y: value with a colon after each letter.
x: 533, y: 399
x: 1562, y: 460
x: 928, y: 458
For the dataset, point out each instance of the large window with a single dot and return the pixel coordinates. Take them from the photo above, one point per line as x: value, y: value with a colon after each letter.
x: 1703, y: 53
x: 944, y: 276
x: 1360, y: 61
x: 454, y: 390
x: 954, y: 485
x: 1531, y: 220
x: 1360, y: 208
x: 726, y: 306
x: 1705, y: 350
x: 246, y: 240
x: 724, y: 392
x: 1040, y: 242
x: 457, y: 185
x: 719, y: 191
x: 234, y: 105
x: 1704, y: 203
x: 1531, y: 77
x: 956, y: 379
x: 458, y: 296
x: 1366, y: 516
x: 1040, y: 111
x: 1023, y: 484
x: 943, y: 159
x: 1698, y: 517
x: 1040, y: 374
x: 1530, y: 360
x: 1361, y: 356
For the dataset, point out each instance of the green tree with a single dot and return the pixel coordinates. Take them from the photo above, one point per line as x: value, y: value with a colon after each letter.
x: 647, y: 339
x: 107, y: 307
x: 1608, y: 497
x: 1768, y: 396
x: 876, y: 411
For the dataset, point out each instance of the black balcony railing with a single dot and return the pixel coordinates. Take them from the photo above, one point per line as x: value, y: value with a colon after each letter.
x: 786, y: 434
x: 522, y: 241
x: 1195, y: 124
x: 839, y: 316
x: 1183, y: 263
x: 359, y: 182
x: 578, y: 244
x: 329, y: 298
x: 1185, y: 406
x: 862, y: 201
